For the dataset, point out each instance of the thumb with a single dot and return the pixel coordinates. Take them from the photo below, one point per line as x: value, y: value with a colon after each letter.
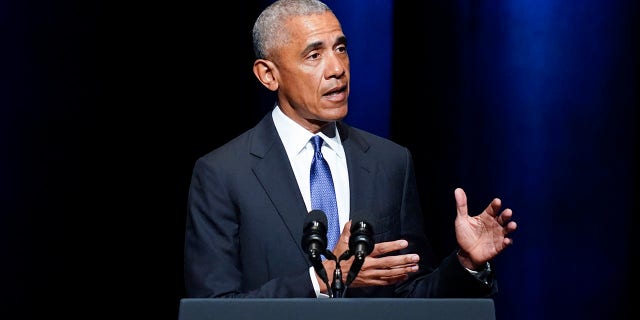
x: 461, y: 202
x: 346, y: 233
x: 347, y: 228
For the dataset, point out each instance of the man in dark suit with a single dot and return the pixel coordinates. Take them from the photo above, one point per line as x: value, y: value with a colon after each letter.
x: 248, y: 198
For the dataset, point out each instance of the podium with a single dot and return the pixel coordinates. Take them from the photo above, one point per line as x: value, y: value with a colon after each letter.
x: 336, y: 309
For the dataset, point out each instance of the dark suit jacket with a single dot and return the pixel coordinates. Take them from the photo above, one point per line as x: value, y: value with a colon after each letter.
x: 246, y: 214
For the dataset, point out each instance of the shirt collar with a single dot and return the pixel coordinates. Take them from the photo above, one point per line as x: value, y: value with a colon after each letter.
x: 295, y: 137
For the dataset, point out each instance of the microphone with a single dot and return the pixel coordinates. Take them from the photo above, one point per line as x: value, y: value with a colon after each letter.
x: 360, y: 245
x: 314, y: 241
x: 314, y: 238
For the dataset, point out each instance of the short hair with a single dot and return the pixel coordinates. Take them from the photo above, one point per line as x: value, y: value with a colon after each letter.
x: 268, y: 30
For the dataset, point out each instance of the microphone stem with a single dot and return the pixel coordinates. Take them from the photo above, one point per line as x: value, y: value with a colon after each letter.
x: 337, y: 287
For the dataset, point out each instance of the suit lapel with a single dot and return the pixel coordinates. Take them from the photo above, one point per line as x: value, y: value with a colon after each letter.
x: 361, y: 169
x: 283, y: 189
x: 277, y: 178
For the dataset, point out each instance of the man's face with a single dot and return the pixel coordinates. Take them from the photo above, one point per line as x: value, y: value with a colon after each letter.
x: 312, y: 71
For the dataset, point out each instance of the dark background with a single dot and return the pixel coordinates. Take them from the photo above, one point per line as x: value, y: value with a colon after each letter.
x: 105, y: 106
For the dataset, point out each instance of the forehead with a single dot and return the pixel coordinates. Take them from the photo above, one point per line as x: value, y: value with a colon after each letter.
x: 314, y: 28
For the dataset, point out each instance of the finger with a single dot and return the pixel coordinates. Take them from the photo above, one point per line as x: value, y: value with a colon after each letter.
x: 390, y: 272
x: 505, y: 216
x: 386, y: 275
x: 461, y: 202
x: 510, y: 227
x: 494, y: 207
x: 392, y: 262
x: 386, y: 247
x: 407, y: 265
x: 394, y: 279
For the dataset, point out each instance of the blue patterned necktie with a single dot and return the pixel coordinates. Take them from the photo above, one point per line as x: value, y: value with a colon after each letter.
x: 323, y: 195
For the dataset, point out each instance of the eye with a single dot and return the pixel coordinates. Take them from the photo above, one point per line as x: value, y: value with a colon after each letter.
x: 313, y: 56
x: 341, y: 49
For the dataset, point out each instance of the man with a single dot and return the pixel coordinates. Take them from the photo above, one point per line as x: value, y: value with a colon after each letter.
x: 248, y: 199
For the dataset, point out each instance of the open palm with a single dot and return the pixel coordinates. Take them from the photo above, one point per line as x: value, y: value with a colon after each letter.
x: 482, y: 237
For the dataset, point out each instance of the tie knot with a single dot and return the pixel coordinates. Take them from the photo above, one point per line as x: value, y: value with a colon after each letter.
x: 317, y: 143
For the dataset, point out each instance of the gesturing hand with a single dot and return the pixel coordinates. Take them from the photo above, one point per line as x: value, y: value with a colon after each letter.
x: 378, y: 269
x: 481, y: 237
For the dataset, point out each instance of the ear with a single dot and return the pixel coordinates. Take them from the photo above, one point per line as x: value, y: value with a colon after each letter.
x: 266, y: 73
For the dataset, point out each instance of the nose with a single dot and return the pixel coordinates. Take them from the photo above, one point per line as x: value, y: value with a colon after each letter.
x: 336, y: 65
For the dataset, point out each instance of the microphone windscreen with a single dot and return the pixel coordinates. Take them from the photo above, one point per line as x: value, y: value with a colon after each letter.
x: 316, y: 215
x: 357, y: 217
x: 361, y: 236
x: 359, y: 224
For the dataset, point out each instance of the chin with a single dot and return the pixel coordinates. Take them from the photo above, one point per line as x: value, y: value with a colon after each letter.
x: 335, y: 114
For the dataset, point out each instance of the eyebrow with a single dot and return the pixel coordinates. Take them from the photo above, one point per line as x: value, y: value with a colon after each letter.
x: 318, y: 44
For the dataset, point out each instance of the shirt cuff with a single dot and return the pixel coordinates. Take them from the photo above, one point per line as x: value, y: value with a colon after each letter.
x: 316, y: 285
x: 483, y: 275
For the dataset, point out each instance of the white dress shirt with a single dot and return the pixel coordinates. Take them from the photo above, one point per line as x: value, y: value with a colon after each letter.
x: 300, y: 153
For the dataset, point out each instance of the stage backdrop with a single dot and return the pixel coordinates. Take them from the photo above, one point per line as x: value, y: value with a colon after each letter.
x: 105, y: 106
x: 534, y: 102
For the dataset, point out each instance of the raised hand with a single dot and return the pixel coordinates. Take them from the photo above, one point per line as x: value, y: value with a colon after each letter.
x: 481, y: 237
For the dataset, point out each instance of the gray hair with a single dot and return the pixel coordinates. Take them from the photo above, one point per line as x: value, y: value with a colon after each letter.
x: 269, y: 31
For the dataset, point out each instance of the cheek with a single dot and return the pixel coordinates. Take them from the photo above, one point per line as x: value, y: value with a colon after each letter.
x: 303, y: 79
x: 309, y: 84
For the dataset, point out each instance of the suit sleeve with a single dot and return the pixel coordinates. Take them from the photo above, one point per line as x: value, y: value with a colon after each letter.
x: 447, y: 279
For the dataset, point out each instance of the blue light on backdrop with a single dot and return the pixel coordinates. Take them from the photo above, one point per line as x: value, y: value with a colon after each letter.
x: 555, y: 85
x: 368, y: 25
